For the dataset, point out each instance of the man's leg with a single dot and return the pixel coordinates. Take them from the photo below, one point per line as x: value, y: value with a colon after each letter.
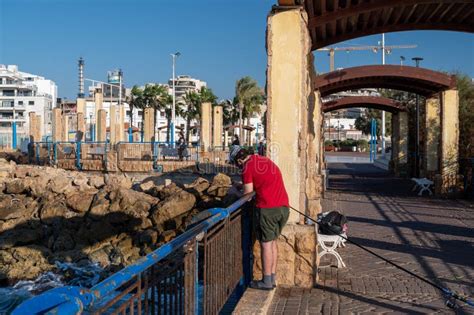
x: 267, y: 260
x: 274, y: 262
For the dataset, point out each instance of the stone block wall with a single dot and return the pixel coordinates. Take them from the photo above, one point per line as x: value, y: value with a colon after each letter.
x: 296, y: 257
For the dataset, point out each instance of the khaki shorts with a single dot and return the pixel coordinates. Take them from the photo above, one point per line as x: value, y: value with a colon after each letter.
x: 269, y: 222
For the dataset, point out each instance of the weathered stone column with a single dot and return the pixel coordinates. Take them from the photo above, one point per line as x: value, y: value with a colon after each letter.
x: 432, y: 135
x: 35, y: 127
x: 206, y: 126
x: 226, y: 139
x: 121, y: 127
x: 293, y: 140
x: 291, y: 112
x: 101, y: 125
x: 81, y: 123
x: 148, y: 132
x: 65, y: 128
x: 57, y: 125
x: 81, y: 105
x: 98, y: 102
x: 400, y: 143
x: 113, y: 123
x: 449, y: 166
x: 217, y: 127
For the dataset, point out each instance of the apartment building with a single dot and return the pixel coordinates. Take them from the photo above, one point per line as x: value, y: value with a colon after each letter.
x: 20, y: 94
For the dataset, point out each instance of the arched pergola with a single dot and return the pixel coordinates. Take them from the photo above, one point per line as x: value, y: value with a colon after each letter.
x: 377, y: 102
x: 295, y: 28
x: 333, y: 21
x: 410, y: 79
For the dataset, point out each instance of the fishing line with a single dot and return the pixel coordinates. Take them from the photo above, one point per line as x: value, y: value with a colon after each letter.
x: 446, y: 291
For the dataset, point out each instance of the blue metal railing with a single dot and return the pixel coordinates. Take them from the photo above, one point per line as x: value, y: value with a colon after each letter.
x: 110, y: 294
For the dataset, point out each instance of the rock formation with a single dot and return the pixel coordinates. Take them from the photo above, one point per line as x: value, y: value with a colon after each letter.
x: 49, y: 214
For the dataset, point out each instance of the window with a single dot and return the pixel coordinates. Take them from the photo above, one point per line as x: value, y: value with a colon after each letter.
x: 31, y: 102
x: 20, y: 102
x: 128, y: 113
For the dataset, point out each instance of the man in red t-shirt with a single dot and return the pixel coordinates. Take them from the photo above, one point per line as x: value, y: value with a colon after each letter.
x: 261, y: 175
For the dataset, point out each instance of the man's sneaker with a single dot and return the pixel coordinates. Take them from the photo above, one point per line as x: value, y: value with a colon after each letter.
x: 260, y: 285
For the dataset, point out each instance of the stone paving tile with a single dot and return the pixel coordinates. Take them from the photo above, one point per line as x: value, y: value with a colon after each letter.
x: 431, y: 237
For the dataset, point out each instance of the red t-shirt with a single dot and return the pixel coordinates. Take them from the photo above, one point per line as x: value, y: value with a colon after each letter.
x: 267, y: 182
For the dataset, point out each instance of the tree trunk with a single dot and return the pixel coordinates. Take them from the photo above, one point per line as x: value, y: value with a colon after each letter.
x: 154, y: 125
x: 168, y: 133
x: 188, y: 126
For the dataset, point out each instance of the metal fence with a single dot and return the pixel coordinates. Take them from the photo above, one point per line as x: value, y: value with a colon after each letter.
x: 195, y: 273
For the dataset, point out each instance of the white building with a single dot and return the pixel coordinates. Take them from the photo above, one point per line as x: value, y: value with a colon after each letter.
x: 20, y: 94
x: 184, y: 84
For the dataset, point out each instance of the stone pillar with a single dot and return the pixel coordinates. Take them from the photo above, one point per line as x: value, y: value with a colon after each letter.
x: 121, y: 127
x: 113, y: 124
x: 81, y: 124
x: 218, y: 120
x: 35, y: 127
x: 98, y: 102
x: 206, y: 124
x: 400, y: 143
x: 57, y: 125
x: 292, y: 112
x: 148, y: 132
x: 65, y: 128
x: 101, y: 125
x: 226, y: 139
x: 432, y: 135
x: 449, y: 166
x: 81, y: 105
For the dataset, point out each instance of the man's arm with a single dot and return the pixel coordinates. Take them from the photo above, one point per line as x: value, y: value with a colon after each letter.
x: 248, y: 188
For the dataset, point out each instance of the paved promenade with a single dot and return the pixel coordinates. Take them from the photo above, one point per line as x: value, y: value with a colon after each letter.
x: 432, y: 237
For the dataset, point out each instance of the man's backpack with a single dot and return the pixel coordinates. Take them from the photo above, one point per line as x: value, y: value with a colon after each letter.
x: 332, y: 223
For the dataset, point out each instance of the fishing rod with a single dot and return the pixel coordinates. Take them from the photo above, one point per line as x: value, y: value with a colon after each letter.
x: 448, y: 293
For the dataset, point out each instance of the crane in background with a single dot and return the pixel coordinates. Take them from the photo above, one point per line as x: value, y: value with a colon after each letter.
x: 375, y: 49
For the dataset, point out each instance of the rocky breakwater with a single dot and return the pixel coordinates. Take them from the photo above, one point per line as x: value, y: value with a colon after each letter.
x: 49, y: 215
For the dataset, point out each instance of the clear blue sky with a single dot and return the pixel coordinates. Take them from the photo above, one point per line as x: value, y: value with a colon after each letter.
x: 220, y: 41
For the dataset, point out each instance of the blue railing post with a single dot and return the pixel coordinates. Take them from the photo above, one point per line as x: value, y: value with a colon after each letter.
x: 37, y: 147
x: 55, y: 152
x: 78, y: 155
x: 130, y: 134
x: 14, y: 143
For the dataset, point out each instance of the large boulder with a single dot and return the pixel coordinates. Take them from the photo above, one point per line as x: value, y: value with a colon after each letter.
x: 220, y: 185
x: 23, y: 263
x: 16, y: 186
x: 96, y: 181
x: 80, y: 201
x: 174, y: 205
x: 199, y: 185
x: 118, y: 181
x: 60, y: 184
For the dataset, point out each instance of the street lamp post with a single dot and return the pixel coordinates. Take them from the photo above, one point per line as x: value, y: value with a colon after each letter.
x: 417, y: 139
x: 173, y: 109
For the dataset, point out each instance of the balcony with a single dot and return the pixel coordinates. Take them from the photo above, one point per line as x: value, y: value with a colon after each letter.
x: 10, y: 118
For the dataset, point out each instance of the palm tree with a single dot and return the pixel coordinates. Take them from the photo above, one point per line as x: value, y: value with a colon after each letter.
x: 193, y: 110
x: 134, y: 100
x: 249, y: 97
x: 207, y: 96
x: 156, y: 97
